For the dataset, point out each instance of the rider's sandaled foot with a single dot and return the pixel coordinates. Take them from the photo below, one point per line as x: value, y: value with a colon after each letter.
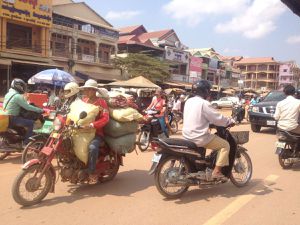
x: 218, y: 176
x: 93, y: 179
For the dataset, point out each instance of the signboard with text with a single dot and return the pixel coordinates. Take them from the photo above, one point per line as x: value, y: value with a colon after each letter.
x: 37, y: 12
x: 173, y: 54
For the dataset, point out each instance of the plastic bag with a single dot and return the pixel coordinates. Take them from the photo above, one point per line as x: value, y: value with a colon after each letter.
x: 81, y: 141
x: 4, y: 121
x: 122, y: 145
x: 78, y: 106
x: 116, y: 129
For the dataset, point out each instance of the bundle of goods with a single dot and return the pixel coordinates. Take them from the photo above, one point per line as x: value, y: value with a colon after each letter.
x: 82, y: 139
x: 120, y: 132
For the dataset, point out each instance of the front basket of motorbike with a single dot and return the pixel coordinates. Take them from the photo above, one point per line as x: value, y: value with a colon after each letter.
x: 241, y: 137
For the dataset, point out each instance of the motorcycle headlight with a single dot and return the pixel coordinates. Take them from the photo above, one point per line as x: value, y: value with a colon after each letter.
x: 57, y: 124
x: 255, y: 109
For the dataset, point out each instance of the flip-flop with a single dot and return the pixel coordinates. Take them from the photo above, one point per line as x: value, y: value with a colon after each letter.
x: 218, y: 176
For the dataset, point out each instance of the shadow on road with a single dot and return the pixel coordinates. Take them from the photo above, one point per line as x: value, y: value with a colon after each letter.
x: 255, y: 187
x: 14, y: 158
x: 125, y: 184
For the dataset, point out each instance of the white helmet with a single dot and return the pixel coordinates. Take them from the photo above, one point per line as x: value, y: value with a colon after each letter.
x: 71, y: 89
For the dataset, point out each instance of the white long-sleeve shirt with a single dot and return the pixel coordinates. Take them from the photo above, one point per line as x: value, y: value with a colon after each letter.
x: 198, y: 114
x: 287, y: 113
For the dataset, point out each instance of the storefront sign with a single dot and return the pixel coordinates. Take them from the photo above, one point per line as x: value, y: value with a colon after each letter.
x: 177, y: 55
x: 195, y: 67
x: 37, y: 12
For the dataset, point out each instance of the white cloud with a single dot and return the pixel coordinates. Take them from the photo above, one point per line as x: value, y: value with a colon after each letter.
x: 252, y: 18
x: 124, y: 15
x: 255, y: 22
x: 230, y: 50
x: 295, y: 39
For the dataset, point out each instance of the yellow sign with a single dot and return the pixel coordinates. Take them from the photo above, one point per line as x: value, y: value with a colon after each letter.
x: 38, y: 12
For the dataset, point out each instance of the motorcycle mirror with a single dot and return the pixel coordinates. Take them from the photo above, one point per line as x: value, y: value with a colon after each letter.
x: 82, y: 115
x: 45, y: 104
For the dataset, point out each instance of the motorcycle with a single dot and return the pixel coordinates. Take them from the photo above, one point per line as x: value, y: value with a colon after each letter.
x: 173, y: 120
x: 287, y: 148
x: 11, y: 141
x: 38, y: 176
x: 179, y: 164
x: 238, y: 112
x: 150, y: 129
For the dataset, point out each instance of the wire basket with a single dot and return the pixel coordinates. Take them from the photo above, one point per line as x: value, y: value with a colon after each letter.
x: 241, y: 137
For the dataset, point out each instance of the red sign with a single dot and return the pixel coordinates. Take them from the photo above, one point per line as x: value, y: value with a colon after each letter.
x: 195, y: 66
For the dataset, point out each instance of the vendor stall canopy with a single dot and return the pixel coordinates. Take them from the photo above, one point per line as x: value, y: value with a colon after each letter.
x: 138, y: 82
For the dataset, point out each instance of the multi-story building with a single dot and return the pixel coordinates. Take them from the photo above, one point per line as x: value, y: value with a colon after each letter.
x: 82, y: 42
x: 164, y: 44
x: 24, y: 39
x: 289, y: 73
x: 259, y: 73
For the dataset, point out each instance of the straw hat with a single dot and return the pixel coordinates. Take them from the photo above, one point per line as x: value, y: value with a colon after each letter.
x: 101, y: 92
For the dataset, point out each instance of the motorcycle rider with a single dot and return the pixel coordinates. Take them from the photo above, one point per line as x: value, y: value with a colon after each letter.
x: 90, y: 90
x: 14, y: 100
x: 287, y: 111
x: 198, y: 115
x: 71, y: 91
x: 158, y: 103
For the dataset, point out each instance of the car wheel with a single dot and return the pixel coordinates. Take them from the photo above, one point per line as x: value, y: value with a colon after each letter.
x: 255, y: 128
x: 215, y: 105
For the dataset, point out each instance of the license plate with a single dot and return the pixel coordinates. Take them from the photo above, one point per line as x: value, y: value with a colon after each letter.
x: 156, y: 157
x: 271, y: 122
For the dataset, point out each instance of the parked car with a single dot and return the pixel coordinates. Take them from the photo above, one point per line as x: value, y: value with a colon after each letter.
x: 225, y: 102
x: 261, y: 114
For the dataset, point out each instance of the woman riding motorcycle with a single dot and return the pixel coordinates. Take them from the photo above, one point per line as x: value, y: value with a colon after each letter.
x: 14, y: 100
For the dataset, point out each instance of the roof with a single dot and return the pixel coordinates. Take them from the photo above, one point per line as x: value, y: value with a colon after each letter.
x: 61, y: 2
x: 256, y: 60
x: 125, y: 39
x: 79, y: 11
x: 97, y: 76
x: 130, y: 29
x: 140, y: 82
x: 234, y: 58
x: 294, y: 5
x: 156, y: 34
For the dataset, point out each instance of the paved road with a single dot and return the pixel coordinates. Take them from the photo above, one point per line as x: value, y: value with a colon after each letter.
x: 272, y: 197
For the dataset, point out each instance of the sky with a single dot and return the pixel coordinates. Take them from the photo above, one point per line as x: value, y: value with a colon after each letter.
x: 249, y: 28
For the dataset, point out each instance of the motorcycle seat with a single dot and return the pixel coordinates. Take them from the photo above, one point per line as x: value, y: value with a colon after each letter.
x: 179, y: 143
x: 287, y: 136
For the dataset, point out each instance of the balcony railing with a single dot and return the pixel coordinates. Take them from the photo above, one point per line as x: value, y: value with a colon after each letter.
x: 86, y: 58
x: 23, y: 46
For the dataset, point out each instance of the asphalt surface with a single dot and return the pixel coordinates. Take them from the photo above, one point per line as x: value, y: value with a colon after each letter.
x: 272, y: 196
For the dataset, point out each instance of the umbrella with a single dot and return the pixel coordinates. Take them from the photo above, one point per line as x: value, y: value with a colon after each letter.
x: 55, y: 77
x: 176, y: 90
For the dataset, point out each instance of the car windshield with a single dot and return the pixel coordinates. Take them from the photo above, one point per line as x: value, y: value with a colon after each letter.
x: 274, y: 96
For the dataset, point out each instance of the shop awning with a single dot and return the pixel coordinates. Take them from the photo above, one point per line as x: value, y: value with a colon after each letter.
x: 137, y: 82
x: 97, y: 76
x: 36, y: 63
x: 5, y: 62
x: 179, y: 84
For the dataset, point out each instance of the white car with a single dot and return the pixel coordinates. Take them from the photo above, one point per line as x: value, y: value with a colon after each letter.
x: 225, y: 102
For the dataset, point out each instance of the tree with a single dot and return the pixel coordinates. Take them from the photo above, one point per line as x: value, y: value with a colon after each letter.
x: 137, y: 64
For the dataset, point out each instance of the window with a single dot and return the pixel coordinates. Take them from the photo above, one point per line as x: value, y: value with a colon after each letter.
x: 284, y: 70
x: 19, y: 36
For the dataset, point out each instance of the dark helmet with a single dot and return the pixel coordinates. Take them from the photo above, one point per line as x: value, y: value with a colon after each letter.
x: 298, y: 93
x: 19, y: 85
x: 202, y: 88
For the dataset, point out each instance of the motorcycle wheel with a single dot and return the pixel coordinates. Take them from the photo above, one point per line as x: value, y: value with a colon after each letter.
x: 242, y: 170
x: 112, y: 172
x: 25, y: 189
x: 164, y: 173
x: 174, y: 126
x: 32, y: 150
x: 143, y: 146
x: 285, y: 163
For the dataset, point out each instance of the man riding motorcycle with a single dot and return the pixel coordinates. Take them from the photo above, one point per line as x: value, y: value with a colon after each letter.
x: 287, y: 111
x: 90, y: 90
x: 198, y: 115
x: 14, y: 100
x: 71, y: 91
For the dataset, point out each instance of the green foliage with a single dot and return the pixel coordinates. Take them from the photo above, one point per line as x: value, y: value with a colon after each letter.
x: 137, y: 64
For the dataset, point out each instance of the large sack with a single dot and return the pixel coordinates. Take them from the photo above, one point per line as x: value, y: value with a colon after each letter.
x: 125, y: 115
x: 78, y: 106
x: 116, y: 129
x: 81, y: 141
x: 118, y: 102
x: 122, y: 145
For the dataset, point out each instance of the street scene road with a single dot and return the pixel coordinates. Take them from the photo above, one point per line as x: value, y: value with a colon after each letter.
x: 131, y: 198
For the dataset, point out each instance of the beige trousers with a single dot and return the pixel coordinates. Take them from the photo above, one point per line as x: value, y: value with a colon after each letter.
x: 223, y: 147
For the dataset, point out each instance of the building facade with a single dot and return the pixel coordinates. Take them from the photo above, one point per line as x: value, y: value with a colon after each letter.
x: 24, y: 34
x: 82, y: 42
x: 259, y: 73
x: 288, y: 74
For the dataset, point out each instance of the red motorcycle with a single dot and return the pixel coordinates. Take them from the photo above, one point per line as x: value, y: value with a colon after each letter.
x: 38, y: 176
